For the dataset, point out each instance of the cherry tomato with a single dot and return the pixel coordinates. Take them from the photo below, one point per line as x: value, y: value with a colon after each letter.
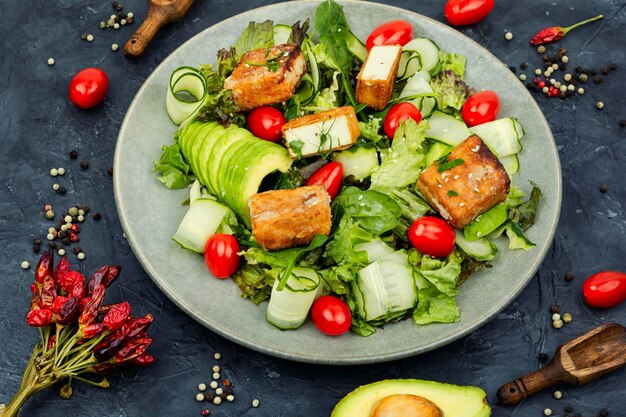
x: 265, y: 123
x: 88, y: 88
x: 331, y: 315
x: 221, y: 255
x: 397, y: 114
x: 330, y: 176
x: 481, y: 108
x: 432, y: 236
x: 467, y: 12
x: 396, y: 32
x: 605, y: 289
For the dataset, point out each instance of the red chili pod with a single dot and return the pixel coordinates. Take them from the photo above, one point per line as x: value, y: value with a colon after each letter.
x: 132, y: 328
x: 114, y: 272
x: 35, y: 301
x: 52, y: 341
x: 97, y: 278
x: 58, y: 303
x: 48, y: 292
x: 144, y: 359
x: 44, y: 266
x: 39, y: 318
x: 77, y: 290
x: 92, y: 330
x: 68, y: 279
x: 116, y: 316
x: 75, y: 228
x: 90, y: 310
x: 62, y: 268
x: 132, y: 349
x: 68, y: 311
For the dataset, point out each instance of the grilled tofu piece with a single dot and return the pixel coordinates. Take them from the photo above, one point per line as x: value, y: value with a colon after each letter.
x: 323, y: 132
x: 287, y: 218
x: 465, y: 191
x: 266, y: 76
x: 378, y: 75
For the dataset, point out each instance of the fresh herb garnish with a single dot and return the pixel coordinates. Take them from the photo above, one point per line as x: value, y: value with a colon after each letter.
x: 296, y: 146
x: 443, y: 159
x: 324, y: 138
x: 450, y: 164
x: 453, y: 193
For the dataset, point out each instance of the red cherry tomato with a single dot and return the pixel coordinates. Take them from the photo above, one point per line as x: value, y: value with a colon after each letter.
x: 330, y: 176
x: 467, y: 12
x: 265, y: 123
x: 432, y: 236
x: 88, y: 88
x: 221, y: 255
x: 397, y: 114
x: 331, y: 315
x: 481, y: 108
x: 396, y: 32
x: 605, y: 289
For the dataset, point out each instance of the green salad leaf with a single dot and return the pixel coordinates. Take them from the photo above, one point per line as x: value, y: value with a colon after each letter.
x: 453, y: 62
x: 450, y: 91
x: 375, y: 212
x: 219, y: 104
x: 174, y: 171
x: 341, y: 246
x: 370, y: 131
x: 332, y: 26
x: 255, y: 282
x: 525, y: 213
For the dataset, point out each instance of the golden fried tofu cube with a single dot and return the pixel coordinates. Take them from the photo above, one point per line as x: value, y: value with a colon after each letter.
x: 324, y: 132
x: 465, y: 191
x: 377, y: 77
x: 287, y: 218
x: 266, y: 76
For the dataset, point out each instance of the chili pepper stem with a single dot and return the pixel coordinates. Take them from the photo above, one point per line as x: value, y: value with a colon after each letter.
x: 567, y: 29
x: 17, y: 402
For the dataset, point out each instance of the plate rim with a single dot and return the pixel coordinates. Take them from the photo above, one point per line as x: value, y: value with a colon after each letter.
x: 362, y: 359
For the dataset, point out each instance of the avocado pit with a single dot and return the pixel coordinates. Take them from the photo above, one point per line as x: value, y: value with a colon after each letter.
x: 405, y: 405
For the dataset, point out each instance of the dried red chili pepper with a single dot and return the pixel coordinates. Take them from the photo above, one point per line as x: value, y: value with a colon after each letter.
x: 48, y: 292
x: 132, y: 329
x: 555, y: 33
x: 77, y: 290
x: 90, y: 311
x: 144, y: 359
x: 68, y: 312
x: 116, y: 316
x: 67, y: 280
x: 44, y: 266
x: 35, y: 301
x: 92, y: 330
x: 39, y: 318
x: 96, y: 279
x: 114, y: 272
x: 132, y: 349
x: 51, y: 341
x: 62, y: 268
x: 58, y: 303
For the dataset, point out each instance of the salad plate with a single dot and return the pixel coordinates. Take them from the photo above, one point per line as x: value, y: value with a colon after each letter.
x: 150, y: 213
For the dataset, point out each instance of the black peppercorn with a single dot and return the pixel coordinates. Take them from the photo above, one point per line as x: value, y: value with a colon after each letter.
x: 85, y: 209
x: 96, y: 216
x: 84, y: 164
x: 74, y: 154
x: 110, y: 171
x: 524, y: 65
x: 209, y: 396
x: 62, y: 234
x: 77, y: 250
x: 568, y: 409
x: 36, y: 242
x: 597, y: 79
x: 569, y: 277
x: 555, y: 309
x: 604, y: 188
x: 117, y: 6
x: 36, y: 248
x: 622, y: 123
x: 543, y: 357
x: 562, y: 52
x: 562, y: 95
x: 513, y: 69
x: 84, y: 36
x: 66, y: 240
x: 613, y: 66
x: 603, y: 413
x: 62, y: 190
x: 545, y: 58
x: 605, y: 70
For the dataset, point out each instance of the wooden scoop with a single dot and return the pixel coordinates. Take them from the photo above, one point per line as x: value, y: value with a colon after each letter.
x: 160, y: 13
x: 596, y: 353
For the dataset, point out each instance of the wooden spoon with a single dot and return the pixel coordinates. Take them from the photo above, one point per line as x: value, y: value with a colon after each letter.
x: 160, y: 13
x: 596, y: 353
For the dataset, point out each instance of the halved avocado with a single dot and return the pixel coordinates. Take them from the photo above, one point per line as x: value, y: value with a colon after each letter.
x: 452, y: 400
x: 232, y: 134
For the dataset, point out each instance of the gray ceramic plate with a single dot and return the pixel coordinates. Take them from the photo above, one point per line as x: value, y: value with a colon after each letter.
x: 150, y: 213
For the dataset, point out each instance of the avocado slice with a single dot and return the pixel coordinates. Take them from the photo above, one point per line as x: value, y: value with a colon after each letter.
x: 202, y: 136
x: 186, y: 139
x: 452, y: 400
x: 232, y: 134
x: 205, y: 153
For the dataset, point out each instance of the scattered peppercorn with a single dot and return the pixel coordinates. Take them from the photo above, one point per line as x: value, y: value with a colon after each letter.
x: 600, y: 105
x: 51, y: 61
x: 110, y: 171
x: 77, y: 250
x: 84, y: 36
x: 557, y: 395
x: 604, y: 188
x: 522, y: 77
x: 568, y: 409
x: 219, y: 391
x: 508, y: 36
x: 597, y: 79
x: 74, y: 154
x: 513, y: 69
x: 556, y: 316
x: 84, y: 164
x: 62, y: 190
x: 205, y: 412
x: 555, y: 309
x: 541, y: 49
x: 603, y: 413
x: 547, y: 412
x: 581, y: 91
x: 230, y: 398
x: 226, y: 382
x: 96, y: 216
x: 199, y: 397
x: 546, y: 58
x: 216, y: 375
x: 117, y: 6
x: 61, y: 252
x: 622, y: 123
x: 255, y: 403
x: 524, y: 65
x: 81, y: 256
x: 49, y: 214
x: 567, y: 318
x: 612, y: 66
x: 583, y: 78
x: 115, y: 47
x: 543, y: 357
x: 25, y: 265
x: 557, y: 324
x: 217, y: 400
x: 605, y: 70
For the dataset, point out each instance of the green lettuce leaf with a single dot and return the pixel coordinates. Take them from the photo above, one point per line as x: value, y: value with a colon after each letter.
x: 337, y: 279
x: 402, y: 163
x: 219, y: 104
x: 375, y: 212
x: 174, y: 171
x: 450, y: 91
x: 327, y: 98
x: 525, y: 213
x: 435, y: 307
x: 341, y: 246
x: 443, y: 274
x: 255, y: 282
x: 515, y: 197
x: 453, y: 62
x: 370, y: 131
x: 332, y: 26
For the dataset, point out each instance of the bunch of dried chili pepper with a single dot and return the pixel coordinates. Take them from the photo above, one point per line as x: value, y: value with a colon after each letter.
x: 79, y: 334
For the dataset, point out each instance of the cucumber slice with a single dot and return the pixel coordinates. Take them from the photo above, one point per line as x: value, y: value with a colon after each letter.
x: 376, y: 249
x: 480, y: 249
x: 195, y: 192
x: 486, y: 222
x: 386, y: 286
x: 185, y: 95
x: 510, y: 164
x: 288, y: 308
x: 502, y: 136
x: 426, y: 50
x: 428, y: 106
x: 199, y: 224
x: 418, y: 84
x: 359, y: 161
x: 517, y: 238
x: 436, y: 151
x: 281, y: 34
x: 446, y: 129
x: 355, y: 46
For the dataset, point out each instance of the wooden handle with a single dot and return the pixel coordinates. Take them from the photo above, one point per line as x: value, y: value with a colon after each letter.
x: 137, y: 44
x: 515, y: 391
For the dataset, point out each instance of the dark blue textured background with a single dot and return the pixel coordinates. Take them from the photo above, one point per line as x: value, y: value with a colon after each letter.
x: 39, y: 127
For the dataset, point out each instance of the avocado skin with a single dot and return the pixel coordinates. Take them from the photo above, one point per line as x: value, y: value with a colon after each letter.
x: 453, y: 400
